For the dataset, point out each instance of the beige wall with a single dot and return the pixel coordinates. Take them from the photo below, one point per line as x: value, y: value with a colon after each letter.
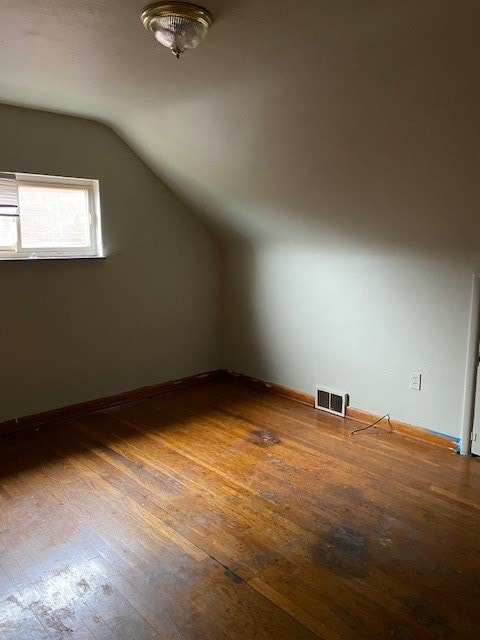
x: 82, y: 329
x: 356, y: 318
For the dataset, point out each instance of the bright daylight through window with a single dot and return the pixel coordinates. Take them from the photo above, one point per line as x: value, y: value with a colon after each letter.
x: 49, y: 217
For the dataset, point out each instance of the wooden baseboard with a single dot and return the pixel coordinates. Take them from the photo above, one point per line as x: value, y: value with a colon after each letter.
x: 358, y: 415
x: 449, y: 442
x: 277, y: 389
x: 75, y: 410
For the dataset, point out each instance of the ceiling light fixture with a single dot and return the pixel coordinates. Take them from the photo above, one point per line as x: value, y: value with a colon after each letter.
x: 177, y: 25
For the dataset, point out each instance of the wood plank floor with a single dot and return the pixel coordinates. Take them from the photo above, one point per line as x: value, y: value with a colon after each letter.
x: 218, y: 512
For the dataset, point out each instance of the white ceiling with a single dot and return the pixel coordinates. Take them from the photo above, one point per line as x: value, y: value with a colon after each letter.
x: 288, y: 111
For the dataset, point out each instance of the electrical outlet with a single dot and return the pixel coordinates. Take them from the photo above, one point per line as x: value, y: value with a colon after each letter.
x: 416, y: 381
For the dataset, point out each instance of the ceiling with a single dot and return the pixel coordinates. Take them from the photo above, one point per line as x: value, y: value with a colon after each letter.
x: 289, y: 111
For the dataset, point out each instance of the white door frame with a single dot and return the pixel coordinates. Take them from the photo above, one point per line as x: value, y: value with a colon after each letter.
x: 472, y: 367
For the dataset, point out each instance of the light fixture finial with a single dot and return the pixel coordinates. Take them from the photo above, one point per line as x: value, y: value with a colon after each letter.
x: 177, y: 25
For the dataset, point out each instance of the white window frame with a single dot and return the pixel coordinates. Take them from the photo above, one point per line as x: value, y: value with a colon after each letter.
x: 91, y: 186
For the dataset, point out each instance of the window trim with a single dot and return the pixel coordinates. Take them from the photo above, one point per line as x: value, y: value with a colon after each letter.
x: 53, y: 253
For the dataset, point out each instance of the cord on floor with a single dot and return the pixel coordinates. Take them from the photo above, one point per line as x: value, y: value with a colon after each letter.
x: 373, y: 424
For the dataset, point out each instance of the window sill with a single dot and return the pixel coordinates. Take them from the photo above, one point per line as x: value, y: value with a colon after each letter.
x: 36, y: 258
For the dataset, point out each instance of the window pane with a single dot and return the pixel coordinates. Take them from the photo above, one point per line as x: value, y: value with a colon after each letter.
x: 54, y: 217
x: 8, y: 230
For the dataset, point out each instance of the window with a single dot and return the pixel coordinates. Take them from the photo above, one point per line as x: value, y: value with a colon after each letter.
x: 49, y: 217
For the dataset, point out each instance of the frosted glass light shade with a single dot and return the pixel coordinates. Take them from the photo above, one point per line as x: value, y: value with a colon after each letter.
x: 179, y: 33
x: 178, y: 25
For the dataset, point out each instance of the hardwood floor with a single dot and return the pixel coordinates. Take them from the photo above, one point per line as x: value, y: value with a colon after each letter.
x: 218, y: 512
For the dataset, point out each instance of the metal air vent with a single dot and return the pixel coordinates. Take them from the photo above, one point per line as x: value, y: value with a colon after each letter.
x: 332, y: 401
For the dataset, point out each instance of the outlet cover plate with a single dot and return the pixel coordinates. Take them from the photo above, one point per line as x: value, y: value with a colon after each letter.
x: 416, y: 381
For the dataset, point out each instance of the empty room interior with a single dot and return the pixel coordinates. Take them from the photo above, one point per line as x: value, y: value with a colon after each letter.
x: 240, y: 319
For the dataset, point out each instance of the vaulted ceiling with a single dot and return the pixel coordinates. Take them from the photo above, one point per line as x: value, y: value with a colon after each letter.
x: 288, y: 110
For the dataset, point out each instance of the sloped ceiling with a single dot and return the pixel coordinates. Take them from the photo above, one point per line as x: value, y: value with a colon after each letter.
x: 288, y: 110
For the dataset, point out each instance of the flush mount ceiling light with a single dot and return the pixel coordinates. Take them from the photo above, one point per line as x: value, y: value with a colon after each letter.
x: 177, y: 25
